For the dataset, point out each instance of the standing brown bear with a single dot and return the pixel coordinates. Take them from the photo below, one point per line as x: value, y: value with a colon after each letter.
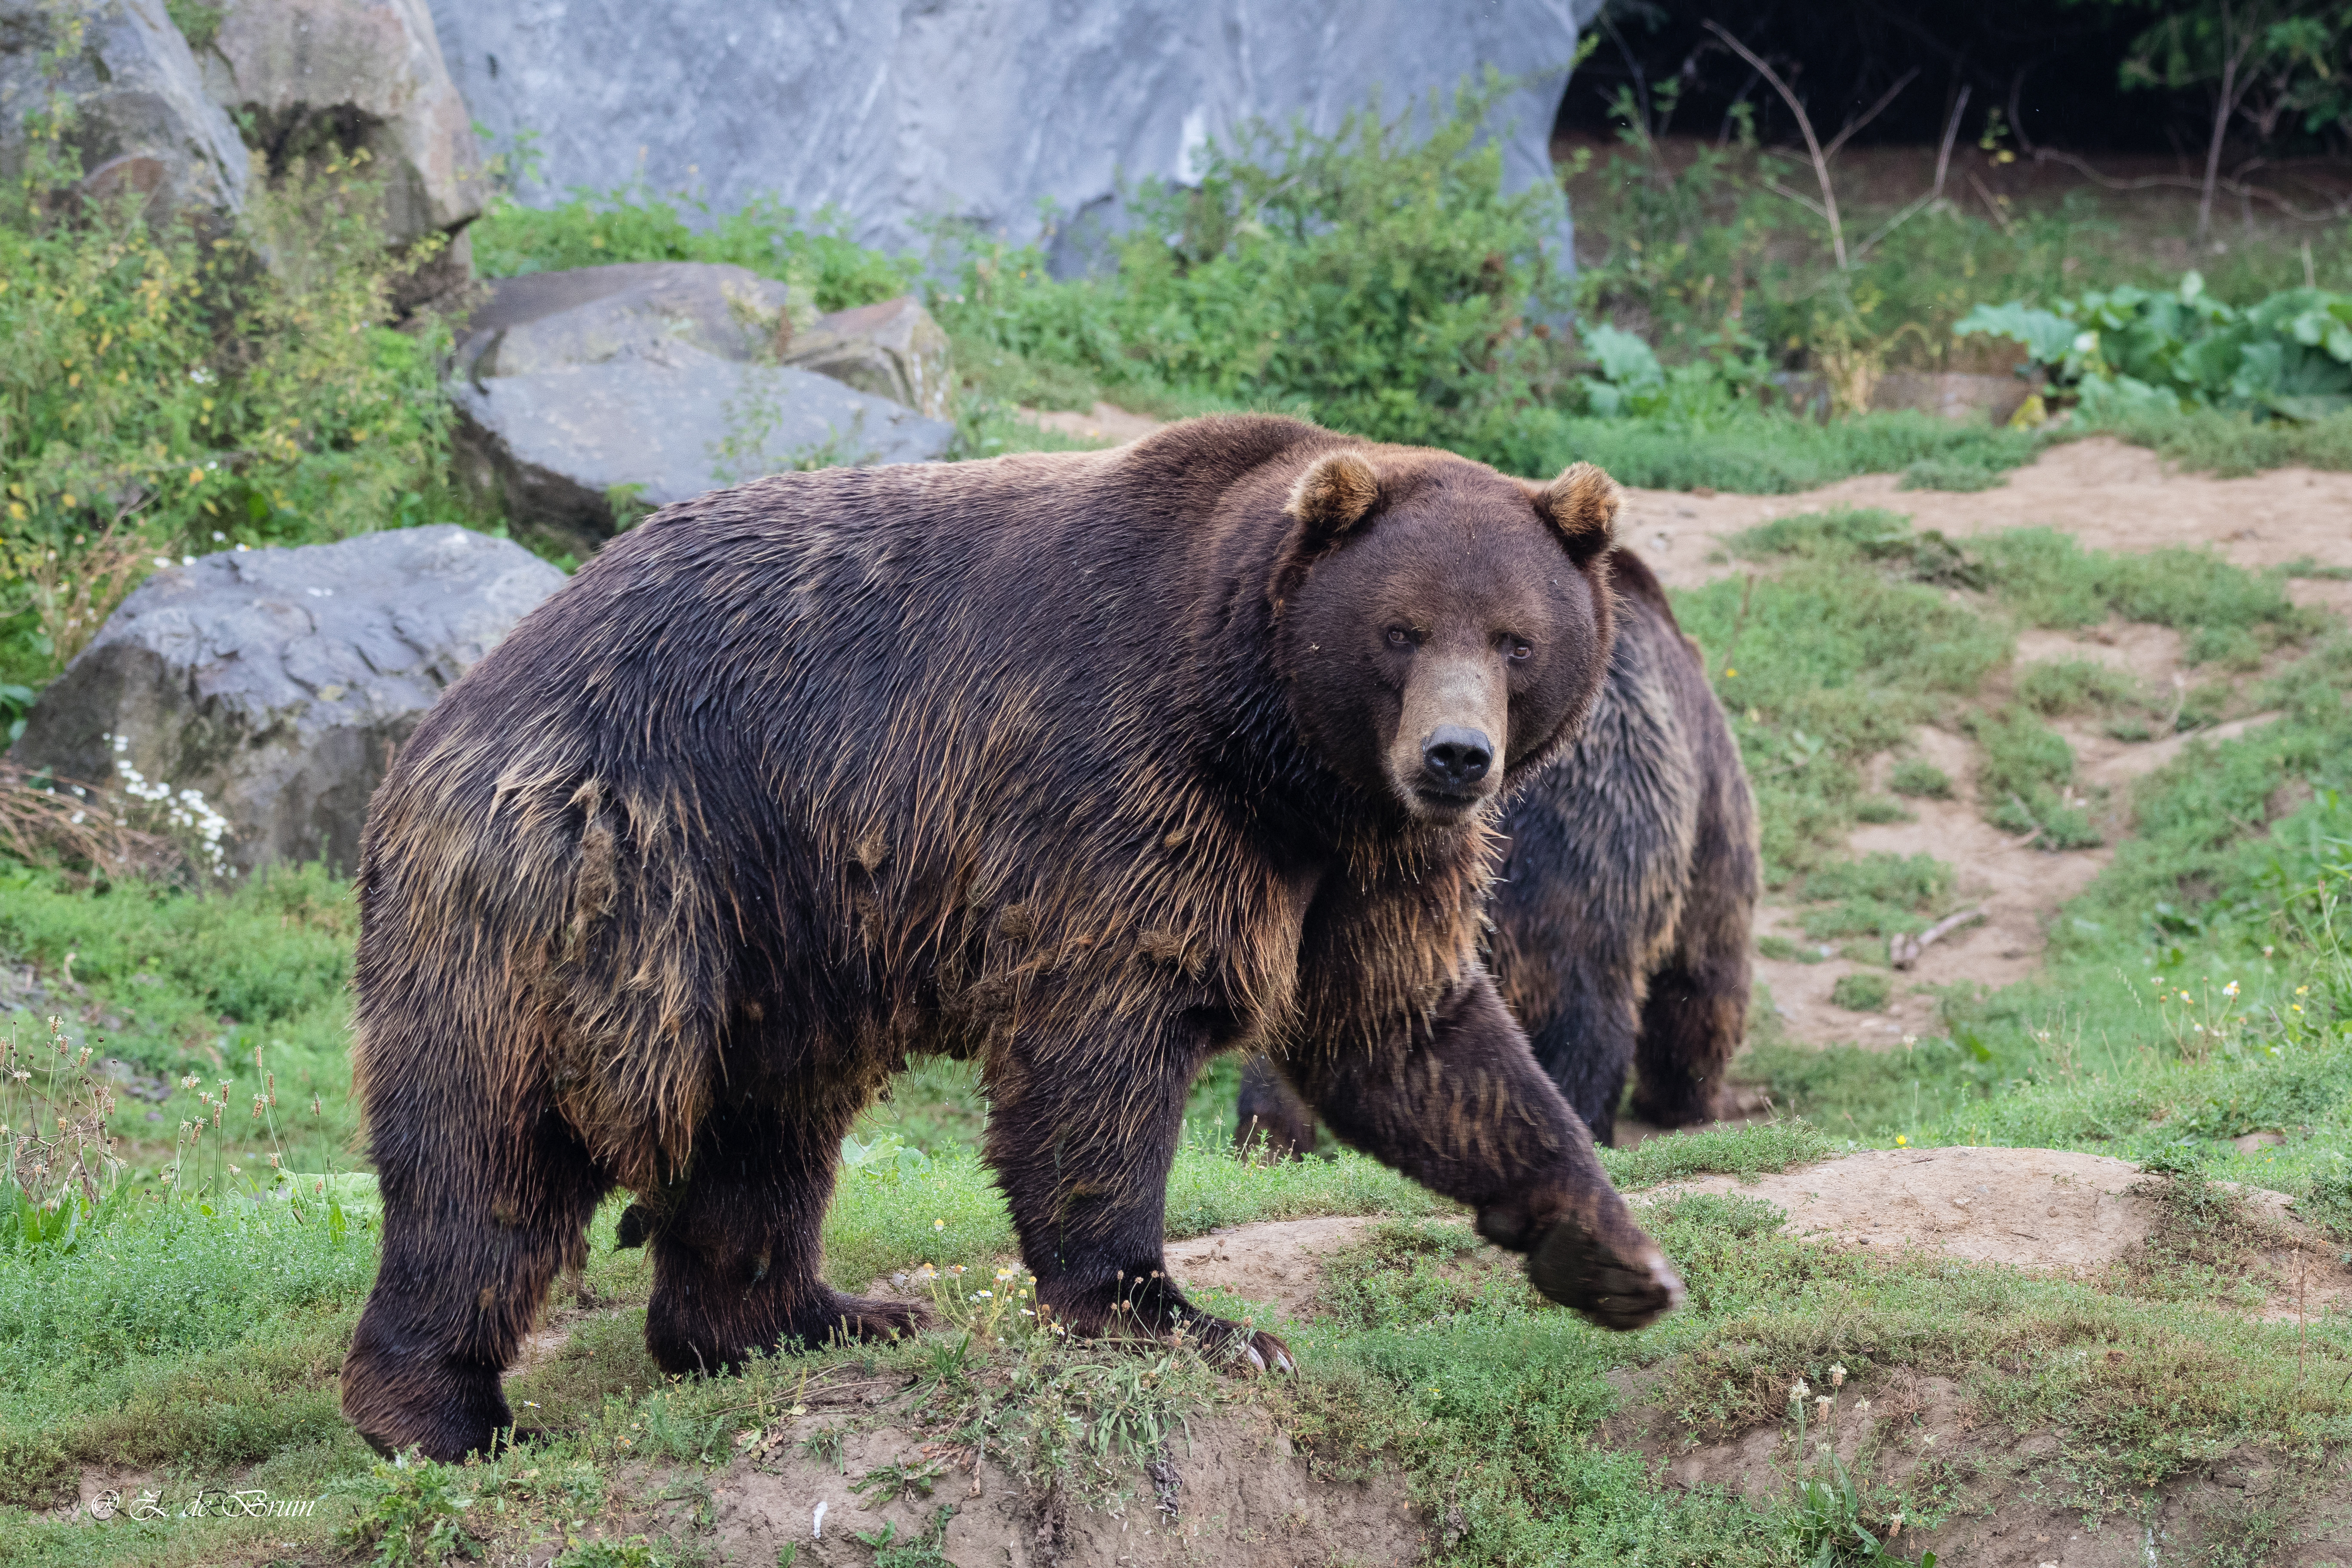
x: 1084, y: 765
x: 1622, y: 915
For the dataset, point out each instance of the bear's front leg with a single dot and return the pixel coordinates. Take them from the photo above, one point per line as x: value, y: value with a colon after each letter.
x: 1082, y: 1139
x: 1459, y: 1105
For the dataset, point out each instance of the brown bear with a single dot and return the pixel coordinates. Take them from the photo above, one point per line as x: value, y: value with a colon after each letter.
x: 1622, y: 915
x: 1086, y: 766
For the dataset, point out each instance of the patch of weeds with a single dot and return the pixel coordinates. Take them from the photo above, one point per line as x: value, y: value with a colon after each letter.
x: 826, y: 1445
x: 1943, y: 474
x: 2206, y: 1242
x: 1782, y: 950
x: 2245, y: 1533
x: 1861, y: 536
x: 925, y: 1551
x: 899, y: 1482
x: 1921, y: 779
x: 2227, y: 613
x: 1422, y: 1272
x: 637, y: 1554
x: 2230, y: 443
x: 1913, y: 881
x: 1879, y: 808
x: 1861, y: 993
x: 1751, y: 1150
x: 1822, y: 665
x: 412, y: 1513
x: 2060, y: 687
x: 2025, y: 778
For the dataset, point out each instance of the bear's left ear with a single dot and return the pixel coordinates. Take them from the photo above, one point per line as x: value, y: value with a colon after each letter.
x: 1583, y: 504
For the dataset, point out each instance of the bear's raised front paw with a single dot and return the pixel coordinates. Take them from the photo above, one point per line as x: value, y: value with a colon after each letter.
x: 1617, y: 1287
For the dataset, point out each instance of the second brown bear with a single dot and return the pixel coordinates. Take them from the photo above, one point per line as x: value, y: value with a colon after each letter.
x: 1621, y: 918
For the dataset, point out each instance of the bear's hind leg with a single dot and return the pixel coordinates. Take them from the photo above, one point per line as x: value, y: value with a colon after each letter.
x: 736, y: 1261
x: 1696, y: 1011
x: 476, y: 1224
x: 1269, y: 1115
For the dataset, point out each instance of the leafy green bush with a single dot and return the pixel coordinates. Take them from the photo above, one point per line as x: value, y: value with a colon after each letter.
x: 2125, y: 349
x: 162, y: 393
x: 596, y: 229
x: 1374, y: 277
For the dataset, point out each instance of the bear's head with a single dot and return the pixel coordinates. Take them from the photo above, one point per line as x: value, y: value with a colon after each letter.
x: 1441, y: 628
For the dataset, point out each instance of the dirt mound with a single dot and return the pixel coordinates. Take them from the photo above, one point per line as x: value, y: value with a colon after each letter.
x: 1232, y: 1491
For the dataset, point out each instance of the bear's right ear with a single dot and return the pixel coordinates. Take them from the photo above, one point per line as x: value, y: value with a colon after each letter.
x: 1338, y: 491
x: 1583, y: 505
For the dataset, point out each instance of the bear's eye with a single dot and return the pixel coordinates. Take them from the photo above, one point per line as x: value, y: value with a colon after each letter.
x: 1400, y: 637
x: 1515, y: 651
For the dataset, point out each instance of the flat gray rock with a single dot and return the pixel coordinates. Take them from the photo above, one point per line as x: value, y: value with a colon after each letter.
x: 278, y: 682
x: 142, y: 122
x: 900, y: 111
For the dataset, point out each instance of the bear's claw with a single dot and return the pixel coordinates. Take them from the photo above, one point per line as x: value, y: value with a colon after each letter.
x: 1608, y: 1287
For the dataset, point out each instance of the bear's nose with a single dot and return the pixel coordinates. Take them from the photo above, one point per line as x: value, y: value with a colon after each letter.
x: 1457, y: 757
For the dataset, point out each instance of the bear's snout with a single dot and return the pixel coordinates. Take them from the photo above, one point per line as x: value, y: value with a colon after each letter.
x: 1445, y: 760
x: 1457, y: 757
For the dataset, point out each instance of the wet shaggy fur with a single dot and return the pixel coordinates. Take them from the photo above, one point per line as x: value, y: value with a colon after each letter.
x: 1628, y: 891
x: 1070, y: 763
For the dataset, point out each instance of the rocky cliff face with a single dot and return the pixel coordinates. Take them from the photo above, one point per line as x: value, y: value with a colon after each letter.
x: 895, y: 111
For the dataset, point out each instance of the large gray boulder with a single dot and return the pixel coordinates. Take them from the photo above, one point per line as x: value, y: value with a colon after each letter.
x: 589, y: 396
x: 141, y: 120
x: 277, y: 683
x: 898, y: 110
x: 305, y: 74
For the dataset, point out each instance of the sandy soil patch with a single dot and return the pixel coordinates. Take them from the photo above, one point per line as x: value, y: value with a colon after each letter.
x: 2000, y: 1523
x: 1280, y: 1263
